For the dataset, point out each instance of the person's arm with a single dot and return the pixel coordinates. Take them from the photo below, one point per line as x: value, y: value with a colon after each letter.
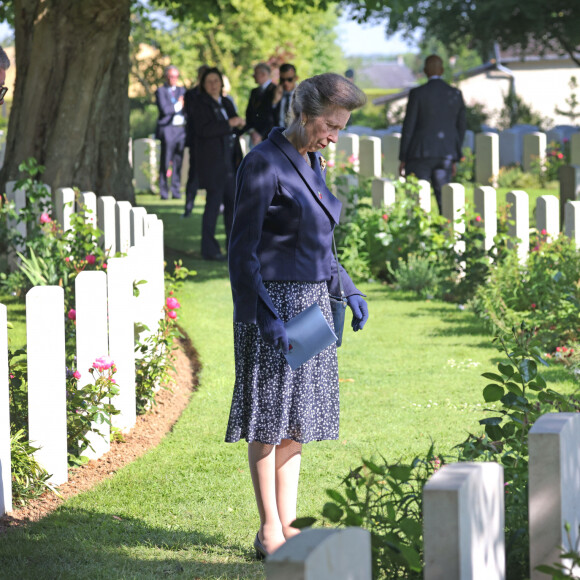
x: 164, y: 104
x: 206, y: 124
x: 409, y: 125
x: 461, y: 126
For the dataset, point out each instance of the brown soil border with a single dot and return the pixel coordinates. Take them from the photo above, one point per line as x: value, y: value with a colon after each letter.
x: 147, y: 433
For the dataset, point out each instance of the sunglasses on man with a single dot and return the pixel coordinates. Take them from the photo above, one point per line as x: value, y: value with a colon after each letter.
x: 287, y: 79
x: 3, y: 91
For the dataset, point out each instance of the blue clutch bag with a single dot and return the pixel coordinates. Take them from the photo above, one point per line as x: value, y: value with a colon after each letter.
x: 308, y: 334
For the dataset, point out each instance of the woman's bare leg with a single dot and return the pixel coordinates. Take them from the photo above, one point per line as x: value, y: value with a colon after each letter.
x: 262, y: 461
x: 288, y: 456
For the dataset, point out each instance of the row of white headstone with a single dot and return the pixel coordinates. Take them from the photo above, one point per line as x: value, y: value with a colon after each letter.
x: 549, y: 211
x: 463, y: 518
x: 106, y: 314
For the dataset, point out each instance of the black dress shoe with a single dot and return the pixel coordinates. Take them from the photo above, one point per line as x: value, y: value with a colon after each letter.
x: 260, y: 550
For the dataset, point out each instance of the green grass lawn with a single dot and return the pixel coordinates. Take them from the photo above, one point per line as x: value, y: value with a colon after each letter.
x: 187, y: 506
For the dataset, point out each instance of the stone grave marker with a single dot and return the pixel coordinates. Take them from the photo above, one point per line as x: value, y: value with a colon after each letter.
x: 534, y: 149
x: 486, y: 158
x: 348, y: 147
x: 383, y: 192
x: 370, y: 157
x: 548, y: 216
x: 137, y: 225
x: 453, y: 209
x: 106, y: 223
x: 485, y: 199
x: 572, y: 221
x: 569, y: 176
x: 64, y: 206
x: 123, y: 226
x: 88, y: 204
x: 145, y: 165
x: 390, y: 147
x: 519, y: 228
x: 5, y: 459
x: 425, y: 195
x: 575, y: 149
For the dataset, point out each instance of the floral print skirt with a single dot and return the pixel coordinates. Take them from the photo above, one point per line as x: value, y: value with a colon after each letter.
x: 270, y: 401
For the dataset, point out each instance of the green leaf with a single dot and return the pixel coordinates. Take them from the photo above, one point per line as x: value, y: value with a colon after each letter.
x: 513, y: 388
x: 528, y: 369
x: 493, y: 393
x: 332, y: 512
x: 491, y: 421
x: 540, y: 381
x: 412, y: 557
x: 302, y: 523
x: 373, y: 467
x: 336, y: 496
x: 506, y: 369
x: 494, y: 432
x: 400, y: 472
x: 493, y: 377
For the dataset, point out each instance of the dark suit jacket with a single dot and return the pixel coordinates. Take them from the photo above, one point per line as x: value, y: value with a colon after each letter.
x: 284, y: 219
x: 217, y: 147
x: 259, y: 112
x: 166, y: 106
x: 434, y: 124
x: 189, y: 105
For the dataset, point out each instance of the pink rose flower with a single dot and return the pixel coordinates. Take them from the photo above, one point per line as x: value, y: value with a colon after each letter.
x: 91, y: 259
x: 45, y: 218
x: 353, y: 159
x: 330, y: 163
x: 532, y: 305
x: 560, y: 156
x: 477, y: 218
x: 77, y: 375
x: 385, y: 216
x: 104, y: 265
x: 103, y: 363
x: 544, y: 232
x: 72, y: 314
x: 172, y: 314
x: 172, y: 303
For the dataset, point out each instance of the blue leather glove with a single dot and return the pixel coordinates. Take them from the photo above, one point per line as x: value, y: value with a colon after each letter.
x: 360, y: 311
x: 271, y: 328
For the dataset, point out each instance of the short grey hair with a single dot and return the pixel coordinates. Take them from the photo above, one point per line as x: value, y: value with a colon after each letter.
x: 4, y: 60
x: 318, y: 94
x: 263, y: 67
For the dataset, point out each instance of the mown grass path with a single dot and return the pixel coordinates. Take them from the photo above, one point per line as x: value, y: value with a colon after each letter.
x: 186, y: 508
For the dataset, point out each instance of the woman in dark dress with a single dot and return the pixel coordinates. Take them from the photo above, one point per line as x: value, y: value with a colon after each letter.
x: 217, y: 154
x: 281, y: 262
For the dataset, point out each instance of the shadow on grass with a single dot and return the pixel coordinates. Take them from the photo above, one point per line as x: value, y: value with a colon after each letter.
x: 75, y: 543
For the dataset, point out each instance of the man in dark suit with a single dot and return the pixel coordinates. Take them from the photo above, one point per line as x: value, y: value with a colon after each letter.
x: 260, y: 110
x: 171, y: 132
x: 190, y: 98
x: 433, y: 129
x: 283, y: 94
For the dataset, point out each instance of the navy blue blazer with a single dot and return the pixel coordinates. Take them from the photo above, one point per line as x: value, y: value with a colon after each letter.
x: 165, y: 105
x: 434, y: 125
x: 284, y: 218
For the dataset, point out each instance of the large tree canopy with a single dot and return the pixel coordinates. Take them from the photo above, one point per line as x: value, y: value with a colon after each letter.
x: 542, y: 24
x: 70, y: 106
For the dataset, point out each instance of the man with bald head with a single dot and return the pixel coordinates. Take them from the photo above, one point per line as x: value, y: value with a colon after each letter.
x: 4, y: 64
x: 433, y: 129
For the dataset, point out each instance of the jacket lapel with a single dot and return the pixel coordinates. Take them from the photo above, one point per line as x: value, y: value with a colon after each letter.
x: 314, y: 178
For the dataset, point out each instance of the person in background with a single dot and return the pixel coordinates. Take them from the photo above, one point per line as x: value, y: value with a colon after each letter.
x: 171, y: 132
x: 218, y: 154
x: 283, y: 94
x: 433, y: 129
x: 281, y: 262
x: 260, y: 111
x: 190, y: 98
x: 4, y: 66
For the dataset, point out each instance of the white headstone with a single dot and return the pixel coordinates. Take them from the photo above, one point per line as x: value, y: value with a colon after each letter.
x: 485, y: 199
x: 92, y: 342
x: 47, y: 379
x: 145, y: 166
x: 554, y: 487
x: 344, y: 183
x: 453, y: 209
x: 425, y: 195
x: 463, y: 523
x: 510, y: 151
x: 5, y: 460
x: 88, y: 203
x: 106, y: 223
x: 185, y: 166
x: 534, y: 149
x: 64, y: 206
x: 569, y: 176
x: 122, y: 338
x: 572, y: 221
x: 323, y: 554
x: 383, y: 192
x: 370, y: 157
x: 486, y: 158
x: 347, y: 149
x: 390, y: 148
x: 18, y: 197
x: 548, y: 216
x: 137, y: 228
x: 123, y: 226
x: 519, y: 227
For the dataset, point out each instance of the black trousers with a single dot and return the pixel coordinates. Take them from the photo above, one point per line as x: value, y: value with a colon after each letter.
x: 216, y: 194
x: 172, y: 145
x: 436, y: 170
x: 192, y: 184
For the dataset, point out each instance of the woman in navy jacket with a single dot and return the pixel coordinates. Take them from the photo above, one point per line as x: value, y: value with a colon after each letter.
x: 217, y: 156
x: 281, y: 261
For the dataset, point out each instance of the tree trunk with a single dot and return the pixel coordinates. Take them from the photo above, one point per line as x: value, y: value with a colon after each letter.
x: 71, y: 107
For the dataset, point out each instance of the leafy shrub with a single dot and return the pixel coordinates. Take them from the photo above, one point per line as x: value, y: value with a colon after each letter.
x: 547, y: 170
x: 465, y: 167
x: 417, y: 274
x: 544, y: 292
x: 514, y: 177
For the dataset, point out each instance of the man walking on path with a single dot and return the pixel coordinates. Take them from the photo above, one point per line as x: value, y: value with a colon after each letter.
x: 433, y: 129
x: 171, y: 132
